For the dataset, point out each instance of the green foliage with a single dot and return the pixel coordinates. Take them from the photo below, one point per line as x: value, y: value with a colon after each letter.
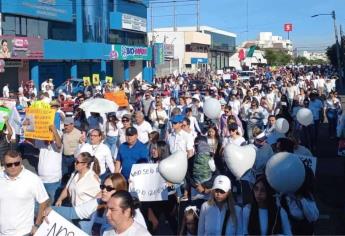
x: 277, y: 58
x: 304, y: 61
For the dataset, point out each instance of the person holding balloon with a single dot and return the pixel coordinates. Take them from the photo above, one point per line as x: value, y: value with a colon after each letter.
x: 263, y: 216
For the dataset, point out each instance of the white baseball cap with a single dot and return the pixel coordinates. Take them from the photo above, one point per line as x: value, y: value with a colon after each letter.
x: 222, y: 182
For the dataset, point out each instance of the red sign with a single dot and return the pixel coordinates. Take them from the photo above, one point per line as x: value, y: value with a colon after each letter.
x: 12, y: 47
x: 288, y: 27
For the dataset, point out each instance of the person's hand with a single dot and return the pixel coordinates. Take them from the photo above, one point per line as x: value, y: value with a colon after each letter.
x: 33, y: 230
x: 200, y: 188
x: 82, y: 139
x: 58, y: 203
x: 46, y: 213
x: 52, y: 128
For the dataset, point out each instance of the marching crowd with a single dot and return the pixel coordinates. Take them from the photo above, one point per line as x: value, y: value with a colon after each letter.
x: 84, y: 172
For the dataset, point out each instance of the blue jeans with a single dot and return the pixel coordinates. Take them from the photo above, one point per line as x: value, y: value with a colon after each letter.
x: 52, y: 190
x: 67, y: 164
x: 111, y: 142
x: 70, y: 214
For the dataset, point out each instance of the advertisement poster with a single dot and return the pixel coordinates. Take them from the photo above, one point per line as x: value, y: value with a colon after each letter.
x: 24, y: 48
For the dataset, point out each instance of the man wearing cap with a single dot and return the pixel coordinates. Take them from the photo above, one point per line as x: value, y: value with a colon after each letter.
x: 180, y: 140
x: 131, y: 152
x: 70, y: 141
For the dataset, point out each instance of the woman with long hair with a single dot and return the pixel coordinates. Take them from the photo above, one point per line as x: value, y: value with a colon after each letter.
x: 332, y: 107
x: 190, y: 220
x: 219, y: 215
x: 263, y: 216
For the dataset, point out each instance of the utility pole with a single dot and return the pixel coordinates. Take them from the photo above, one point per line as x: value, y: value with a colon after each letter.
x: 198, y: 15
x: 174, y: 14
x: 337, y: 46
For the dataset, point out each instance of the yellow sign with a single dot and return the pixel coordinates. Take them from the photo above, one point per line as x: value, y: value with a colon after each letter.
x: 87, y: 80
x: 95, y: 79
x: 39, y: 117
x: 109, y: 79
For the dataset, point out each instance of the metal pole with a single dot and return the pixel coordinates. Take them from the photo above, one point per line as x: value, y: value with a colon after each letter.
x: 198, y: 15
x: 337, y: 47
x: 174, y: 9
x: 151, y: 18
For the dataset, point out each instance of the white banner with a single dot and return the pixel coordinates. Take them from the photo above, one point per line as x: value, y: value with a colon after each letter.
x: 147, y: 183
x: 309, y: 161
x: 58, y: 226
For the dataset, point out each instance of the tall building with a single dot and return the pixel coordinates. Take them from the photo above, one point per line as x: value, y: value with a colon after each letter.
x: 63, y: 39
x: 208, y: 48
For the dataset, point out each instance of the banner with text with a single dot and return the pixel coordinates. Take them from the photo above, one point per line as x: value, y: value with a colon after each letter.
x: 147, y: 183
x: 125, y: 52
x: 13, y: 47
x: 39, y: 116
x: 58, y: 226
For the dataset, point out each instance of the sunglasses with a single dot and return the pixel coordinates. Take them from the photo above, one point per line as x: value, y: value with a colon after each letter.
x: 219, y: 191
x: 124, y: 121
x: 9, y: 165
x: 108, y: 188
x: 77, y: 162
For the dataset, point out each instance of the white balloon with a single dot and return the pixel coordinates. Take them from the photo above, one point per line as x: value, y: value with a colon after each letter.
x: 282, y: 126
x: 305, y: 116
x: 239, y: 159
x: 212, y: 108
x: 285, y: 172
x: 174, y: 167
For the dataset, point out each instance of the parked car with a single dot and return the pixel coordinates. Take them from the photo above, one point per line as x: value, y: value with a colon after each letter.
x: 77, y: 86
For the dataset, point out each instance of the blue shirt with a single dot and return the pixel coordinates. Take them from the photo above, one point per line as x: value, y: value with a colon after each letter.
x: 128, y: 156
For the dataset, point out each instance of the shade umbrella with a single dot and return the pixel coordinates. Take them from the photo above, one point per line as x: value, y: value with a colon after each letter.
x: 99, y: 105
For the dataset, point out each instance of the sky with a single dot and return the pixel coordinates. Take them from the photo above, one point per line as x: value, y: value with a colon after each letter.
x: 312, y: 34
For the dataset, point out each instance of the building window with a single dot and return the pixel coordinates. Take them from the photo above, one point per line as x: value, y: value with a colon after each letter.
x: 188, y: 65
x: 127, y: 38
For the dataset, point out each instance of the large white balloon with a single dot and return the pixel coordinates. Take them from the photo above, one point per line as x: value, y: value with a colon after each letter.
x: 305, y: 116
x: 212, y: 108
x: 239, y: 159
x: 282, y: 125
x: 285, y: 172
x: 174, y: 167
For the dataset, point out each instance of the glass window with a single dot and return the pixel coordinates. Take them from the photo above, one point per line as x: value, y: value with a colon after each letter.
x: 8, y: 25
x: 23, y: 26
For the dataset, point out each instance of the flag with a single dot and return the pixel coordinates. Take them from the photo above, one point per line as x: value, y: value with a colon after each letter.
x: 251, y: 50
x: 241, y: 54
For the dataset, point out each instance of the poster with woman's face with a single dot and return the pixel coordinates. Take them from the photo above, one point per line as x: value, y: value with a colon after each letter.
x: 5, y: 49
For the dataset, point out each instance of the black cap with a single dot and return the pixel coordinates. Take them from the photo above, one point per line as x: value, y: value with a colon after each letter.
x: 131, y: 131
x: 233, y: 126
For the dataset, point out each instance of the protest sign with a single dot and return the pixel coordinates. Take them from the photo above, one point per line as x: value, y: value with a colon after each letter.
x: 86, y: 80
x: 58, y: 226
x: 4, y: 112
x: 109, y: 79
x: 10, y: 103
x: 39, y: 116
x: 309, y: 161
x: 226, y: 77
x: 119, y: 98
x: 147, y: 183
x: 95, y: 79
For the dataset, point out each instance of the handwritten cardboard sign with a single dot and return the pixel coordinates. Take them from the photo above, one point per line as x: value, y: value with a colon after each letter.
x: 4, y: 112
x: 147, y: 183
x: 58, y: 226
x: 95, y: 79
x: 39, y: 116
x: 86, y: 80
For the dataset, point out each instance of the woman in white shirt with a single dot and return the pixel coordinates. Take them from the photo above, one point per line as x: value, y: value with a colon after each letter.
x: 83, y: 185
x: 235, y: 137
x: 260, y: 217
x: 112, y: 133
x: 332, y: 106
x: 219, y: 215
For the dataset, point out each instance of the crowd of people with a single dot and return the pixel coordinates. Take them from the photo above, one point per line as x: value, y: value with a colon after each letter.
x: 84, y: 172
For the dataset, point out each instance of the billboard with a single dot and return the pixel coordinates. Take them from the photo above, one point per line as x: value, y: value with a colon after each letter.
x: 126, y: 52
x: 12, y: 47
x: 58, y: 10
x: 158, y: 53
x: 288, y: 27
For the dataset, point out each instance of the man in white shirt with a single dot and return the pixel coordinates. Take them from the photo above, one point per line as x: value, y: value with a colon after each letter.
x: 144, y: 128
x: 19, y: 191
x: 6, y: 91
x: 120, y: 215
x: 180, y: 140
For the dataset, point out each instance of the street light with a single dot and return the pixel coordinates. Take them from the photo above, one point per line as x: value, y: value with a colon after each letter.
x: 336, y: 41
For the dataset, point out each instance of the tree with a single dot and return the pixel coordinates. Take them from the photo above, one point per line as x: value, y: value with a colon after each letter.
x: 301, y: 60
x: 331, y: 53
x: 277, y: 58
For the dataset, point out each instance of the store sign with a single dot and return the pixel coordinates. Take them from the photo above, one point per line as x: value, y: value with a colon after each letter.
x: 169, y: 50
x: 133, y: 23
x: 158, y: 53
x: 288, y: 27
x: 59, y: 10
x: 12, y: 47
x: 13, y: 64
x: 124, y: 52
x: 199, y: 60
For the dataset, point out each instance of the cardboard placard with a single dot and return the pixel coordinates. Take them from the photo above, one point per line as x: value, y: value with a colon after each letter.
x: 58, y: 226
x: 86, y: 80
x: 95, y: 79
x: 109, y: 79
x: 4, y: 112
x: 146, y: 182
x: 39, y: 116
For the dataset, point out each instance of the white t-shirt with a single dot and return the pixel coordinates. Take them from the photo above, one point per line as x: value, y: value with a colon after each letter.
x: 84, y: 189
x: 50, y: 161
x: 17, y: 202
x: 135, y: 229
x: 143, y: 131
x: 181, y: 141
x: 101, y: 152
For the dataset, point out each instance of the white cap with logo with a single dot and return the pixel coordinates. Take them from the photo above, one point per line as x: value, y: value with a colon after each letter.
x: 222, y: 182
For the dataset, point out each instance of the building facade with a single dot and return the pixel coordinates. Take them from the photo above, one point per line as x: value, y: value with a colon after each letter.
x: 63, y: 39
x: 206, y: 49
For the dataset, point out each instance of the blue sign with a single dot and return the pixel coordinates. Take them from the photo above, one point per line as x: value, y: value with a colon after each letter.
x: 195, y: 60
x: 58, y: 10
x: 158, y: 53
